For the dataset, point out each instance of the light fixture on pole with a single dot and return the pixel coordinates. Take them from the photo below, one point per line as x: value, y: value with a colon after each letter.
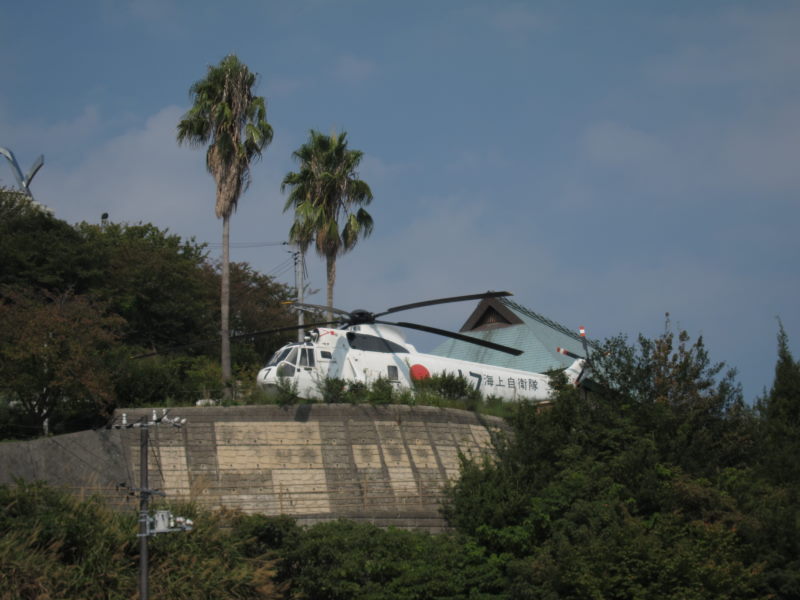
x: 163, y: 521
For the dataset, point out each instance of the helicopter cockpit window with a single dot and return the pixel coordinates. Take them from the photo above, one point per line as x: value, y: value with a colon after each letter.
x: 306, y: 357
x: 287, y: 362
x: 373, y: 343
x: 279, y: 356
x: 392, y: 373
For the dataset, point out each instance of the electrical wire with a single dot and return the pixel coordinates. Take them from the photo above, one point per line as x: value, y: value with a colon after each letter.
x: 68, y: 450
x: 248, y: 244
x: 282, y: 267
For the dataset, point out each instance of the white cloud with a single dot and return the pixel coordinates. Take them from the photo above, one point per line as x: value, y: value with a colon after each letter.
x: 761, y: 151
x: 375, y: 170
x: 618, y: 145
x: 141, y: 175
x: 738, y: 74
x: 352, y: 69
x: 750, y: 48
x: 448, y: 248
x: 475, y: 159
x: 152, y: 11
x: 724, y: 159
x: 620, y: 166
x: 39, y: 136
x: 144, y: 175
x: 282, y: 86
x: 517, y: 19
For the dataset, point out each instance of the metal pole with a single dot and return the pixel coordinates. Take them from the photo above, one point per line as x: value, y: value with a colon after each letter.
x: 298, y: 284
x: 164, y: 524
x: 144, y: 496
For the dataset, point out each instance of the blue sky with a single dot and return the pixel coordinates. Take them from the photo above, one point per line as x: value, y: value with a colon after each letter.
x: 606, y: 162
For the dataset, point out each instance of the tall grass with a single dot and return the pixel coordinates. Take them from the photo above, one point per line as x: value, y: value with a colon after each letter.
x: 54, y: 546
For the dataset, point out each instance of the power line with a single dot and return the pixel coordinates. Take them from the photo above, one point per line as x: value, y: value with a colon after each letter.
x: 97, y: 470
x: 248, y: 244
x: 282, y: 268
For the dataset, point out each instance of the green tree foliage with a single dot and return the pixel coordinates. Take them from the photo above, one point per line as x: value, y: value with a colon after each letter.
x: 233, y: 121
x: 692, y: 407
x: 55, y: 546
x: 159, y: 290
x: 618, y: 493
x: 448, y: 387
x: 347, y: 561
x: 258, y: 303
x: 780, y: 412
x: 57, y: 353
x: 36, y: 249
x: 155, y: 280
x: 166, y: 380
x: 769, y: 490
x: 328, y: 199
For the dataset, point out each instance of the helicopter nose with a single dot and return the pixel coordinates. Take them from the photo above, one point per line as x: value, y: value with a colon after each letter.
x: 263, y: 374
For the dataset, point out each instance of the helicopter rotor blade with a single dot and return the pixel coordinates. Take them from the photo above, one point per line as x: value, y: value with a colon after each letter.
x: 444, y: 301
x: 241, y: 336
x: 456, y: 336
x: 566, y: 352
x: 319, y: 307
x: 250, y: 334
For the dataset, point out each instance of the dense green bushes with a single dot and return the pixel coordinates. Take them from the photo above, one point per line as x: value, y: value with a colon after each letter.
x: 54, y: 546
x: 667, y: 488
x: 344, y: 561
x: 659, y: 484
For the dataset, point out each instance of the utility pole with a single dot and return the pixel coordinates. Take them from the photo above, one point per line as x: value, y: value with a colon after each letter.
x: 144, y: 517
x: 163, y: 521
x: 299, y: 282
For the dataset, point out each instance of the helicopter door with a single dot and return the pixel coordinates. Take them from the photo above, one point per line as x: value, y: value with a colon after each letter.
x: 306, y: 359
x: 326, y: 363
x: 306, y: 377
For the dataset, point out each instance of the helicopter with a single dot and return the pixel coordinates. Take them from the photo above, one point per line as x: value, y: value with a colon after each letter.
x: 362, y: 348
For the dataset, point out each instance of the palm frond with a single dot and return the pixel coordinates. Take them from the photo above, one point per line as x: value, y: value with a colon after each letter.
x: 226, y: 115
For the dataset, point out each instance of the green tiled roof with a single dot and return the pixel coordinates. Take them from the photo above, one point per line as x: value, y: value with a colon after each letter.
x: 537, y: 337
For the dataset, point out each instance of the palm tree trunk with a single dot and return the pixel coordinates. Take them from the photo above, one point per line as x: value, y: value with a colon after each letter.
x: 331, y: 273
x: 225, y: 300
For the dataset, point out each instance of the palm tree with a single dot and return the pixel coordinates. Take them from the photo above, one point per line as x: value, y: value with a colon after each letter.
x: 327, y: 197
x: 233, y: 122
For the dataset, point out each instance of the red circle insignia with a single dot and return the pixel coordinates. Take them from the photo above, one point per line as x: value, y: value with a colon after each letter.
x: 419, y: 372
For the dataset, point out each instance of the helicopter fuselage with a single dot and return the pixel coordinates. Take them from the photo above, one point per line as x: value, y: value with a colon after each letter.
x: 367, y: 352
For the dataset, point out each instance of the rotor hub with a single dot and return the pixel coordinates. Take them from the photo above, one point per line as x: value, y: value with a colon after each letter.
x: 361, y: 316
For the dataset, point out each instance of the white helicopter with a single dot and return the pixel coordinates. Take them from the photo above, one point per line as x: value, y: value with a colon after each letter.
x: 364, y: 349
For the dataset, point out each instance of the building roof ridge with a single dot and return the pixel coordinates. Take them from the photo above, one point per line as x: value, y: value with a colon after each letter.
x: 541, y: 318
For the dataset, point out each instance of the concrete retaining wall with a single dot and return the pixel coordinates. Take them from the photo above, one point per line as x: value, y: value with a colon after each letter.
x: 385, y: 465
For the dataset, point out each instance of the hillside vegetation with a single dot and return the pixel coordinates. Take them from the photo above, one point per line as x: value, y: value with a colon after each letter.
x: 662, y: 482
x: 79, y: 302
